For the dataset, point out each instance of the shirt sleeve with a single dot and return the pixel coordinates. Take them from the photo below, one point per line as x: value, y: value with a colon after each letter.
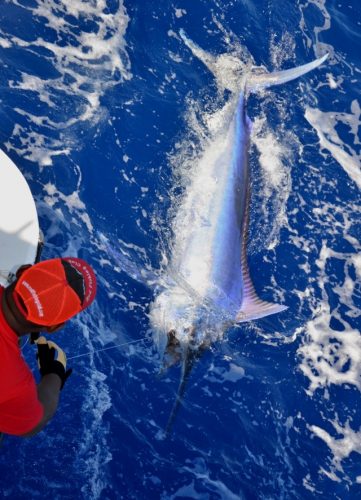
x: 21, y: 413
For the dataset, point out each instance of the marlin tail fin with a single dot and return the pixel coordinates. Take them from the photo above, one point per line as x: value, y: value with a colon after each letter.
x: 264, y: 80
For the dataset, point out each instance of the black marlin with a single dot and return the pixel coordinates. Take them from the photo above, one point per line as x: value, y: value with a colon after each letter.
x: 210, y: 286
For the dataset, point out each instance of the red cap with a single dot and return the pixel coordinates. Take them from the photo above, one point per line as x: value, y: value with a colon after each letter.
x: 52, y: 291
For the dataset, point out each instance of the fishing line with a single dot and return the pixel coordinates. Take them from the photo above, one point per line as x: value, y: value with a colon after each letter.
x: 25, y: 343
x: 107, y: 348
x: 98, y: 350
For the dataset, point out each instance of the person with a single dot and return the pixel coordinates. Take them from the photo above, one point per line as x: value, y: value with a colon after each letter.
x: 43, y: 298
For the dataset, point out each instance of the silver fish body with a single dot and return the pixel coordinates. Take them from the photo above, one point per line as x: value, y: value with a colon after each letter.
x: 211, y: 287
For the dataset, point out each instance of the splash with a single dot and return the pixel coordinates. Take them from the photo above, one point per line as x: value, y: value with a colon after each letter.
x: 227, y: 68
x: 205, y: 122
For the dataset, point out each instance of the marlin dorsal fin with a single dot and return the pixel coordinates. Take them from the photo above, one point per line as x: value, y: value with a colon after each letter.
x: 252, y: 306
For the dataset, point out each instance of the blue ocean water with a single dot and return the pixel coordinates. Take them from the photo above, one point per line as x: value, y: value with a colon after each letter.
x: 105, y: 108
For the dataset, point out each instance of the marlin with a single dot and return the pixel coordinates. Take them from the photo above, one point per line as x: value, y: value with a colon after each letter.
x: 210, y: 287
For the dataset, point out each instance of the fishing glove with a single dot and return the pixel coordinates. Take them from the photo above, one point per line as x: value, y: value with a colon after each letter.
x: 49, y: 364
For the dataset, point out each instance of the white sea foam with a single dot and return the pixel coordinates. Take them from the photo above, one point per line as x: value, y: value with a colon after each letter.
x: 75, y: 206
x: 94, y: 452
x: 87, y: 63
x: 346, y: 442
x: 325, y: 124
x: 319, y: 47
x: 220, y: 375
x: 329, y: 354
x: 180, y: 13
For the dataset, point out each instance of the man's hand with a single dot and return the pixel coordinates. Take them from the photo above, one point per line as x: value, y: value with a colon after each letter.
x: 52, y: 359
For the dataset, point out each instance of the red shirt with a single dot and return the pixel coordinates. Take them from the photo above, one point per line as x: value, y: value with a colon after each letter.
x: 20, y: 409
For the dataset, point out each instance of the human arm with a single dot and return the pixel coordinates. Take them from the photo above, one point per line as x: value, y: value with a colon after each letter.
x: 48, y: 395
x: 52, y: 365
